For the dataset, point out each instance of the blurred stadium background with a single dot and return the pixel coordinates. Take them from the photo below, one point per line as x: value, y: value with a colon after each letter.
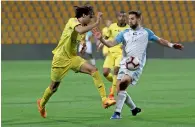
x: 30, y: 30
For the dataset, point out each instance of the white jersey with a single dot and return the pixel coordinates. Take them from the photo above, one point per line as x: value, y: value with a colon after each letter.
x: 88, y: 43
x: 134, y: 43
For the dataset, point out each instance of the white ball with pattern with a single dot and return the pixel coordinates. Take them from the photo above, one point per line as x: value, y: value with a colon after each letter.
x: 132, y: 63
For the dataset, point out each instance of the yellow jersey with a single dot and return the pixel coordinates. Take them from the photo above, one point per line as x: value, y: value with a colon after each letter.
x: 67, y: 46
x: 113, y: 31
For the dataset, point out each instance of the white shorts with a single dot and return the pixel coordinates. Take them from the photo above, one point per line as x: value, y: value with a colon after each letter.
x: 135, y: 75
x: 89, y: 47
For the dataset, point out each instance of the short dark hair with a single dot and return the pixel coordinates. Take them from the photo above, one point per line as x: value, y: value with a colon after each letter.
x: 120, y: 12
x: 138, y: 14
x: 86, y: 9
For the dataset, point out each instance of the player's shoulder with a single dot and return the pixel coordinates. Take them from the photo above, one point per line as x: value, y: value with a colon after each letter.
x: 113, y: 25
x: 73, y: 19
x: 149, y: 31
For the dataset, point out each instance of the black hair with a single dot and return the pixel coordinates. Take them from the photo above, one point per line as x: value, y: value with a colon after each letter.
x: 120, y: 12
x: 86, y: 10
x: 138, y: 14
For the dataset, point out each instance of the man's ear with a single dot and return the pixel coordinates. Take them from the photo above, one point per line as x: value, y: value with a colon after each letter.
x: 140, y: 19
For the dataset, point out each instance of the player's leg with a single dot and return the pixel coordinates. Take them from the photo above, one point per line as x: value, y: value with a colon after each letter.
x: 107, y: 74
x: 50, y: 90
x: 114, y: 82
x: 116, y: 69
x: 108, y: 65
x: 123, y: 96
x: 87, y: 68
x: 129, y: 102
x: 56, y: 75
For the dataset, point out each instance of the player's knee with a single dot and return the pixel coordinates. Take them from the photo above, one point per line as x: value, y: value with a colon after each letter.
x: 106, y: 72
x: 123, y: 85
x: 116, y: 69
x: 54, y: 86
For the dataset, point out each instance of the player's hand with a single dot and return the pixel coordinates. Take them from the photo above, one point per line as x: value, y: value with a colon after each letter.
x: 178, y: 46
x: 99, y: 17
x: 96, y: 33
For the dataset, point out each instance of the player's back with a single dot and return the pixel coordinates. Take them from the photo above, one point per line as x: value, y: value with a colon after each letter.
x: 67, y: 45
x: 113, y: 31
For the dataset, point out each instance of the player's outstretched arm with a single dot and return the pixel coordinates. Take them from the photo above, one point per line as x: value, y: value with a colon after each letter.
x: 83, y: 29
x: 153, y: 37
x: 108, y: 43
x: 169, y: 44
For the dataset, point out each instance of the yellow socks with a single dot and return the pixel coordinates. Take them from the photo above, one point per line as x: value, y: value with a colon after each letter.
x: 99, y: 84
x: 113, y: 89
x: 47, y: 94
x: 110, y: 77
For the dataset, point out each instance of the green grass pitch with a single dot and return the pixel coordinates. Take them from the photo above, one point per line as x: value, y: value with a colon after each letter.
x: 165, y: 92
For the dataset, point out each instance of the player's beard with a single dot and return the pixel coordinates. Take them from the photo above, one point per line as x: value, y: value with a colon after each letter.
x: 121, y: 24
x: 134, y: 26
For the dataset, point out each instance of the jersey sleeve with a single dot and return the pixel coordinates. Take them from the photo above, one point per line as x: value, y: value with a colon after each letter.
x: 120, y: 38
x: 152, y: 36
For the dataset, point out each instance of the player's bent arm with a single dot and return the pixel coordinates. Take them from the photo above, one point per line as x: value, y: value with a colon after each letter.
x: 169, y: 44
x: 83, y: 29
x: 108, y: 43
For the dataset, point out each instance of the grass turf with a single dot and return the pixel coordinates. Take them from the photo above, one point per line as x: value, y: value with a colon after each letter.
x: 165, y: 92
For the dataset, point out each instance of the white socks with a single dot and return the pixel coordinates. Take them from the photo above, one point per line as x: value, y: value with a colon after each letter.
x: 129, y: 102
x: 123, y: 97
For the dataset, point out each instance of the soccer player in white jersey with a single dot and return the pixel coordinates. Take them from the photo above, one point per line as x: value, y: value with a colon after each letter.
x: 87, y: 52
x: 135, y: 41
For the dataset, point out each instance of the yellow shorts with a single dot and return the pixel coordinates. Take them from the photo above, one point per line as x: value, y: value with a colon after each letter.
x: 112, y: 60
x: 61, y: 65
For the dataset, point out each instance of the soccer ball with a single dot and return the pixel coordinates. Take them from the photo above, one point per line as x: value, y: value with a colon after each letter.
x: 132, y: 63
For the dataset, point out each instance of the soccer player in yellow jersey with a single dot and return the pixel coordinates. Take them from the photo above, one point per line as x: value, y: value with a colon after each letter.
x: 65, y: 57
x: 114, y: 55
